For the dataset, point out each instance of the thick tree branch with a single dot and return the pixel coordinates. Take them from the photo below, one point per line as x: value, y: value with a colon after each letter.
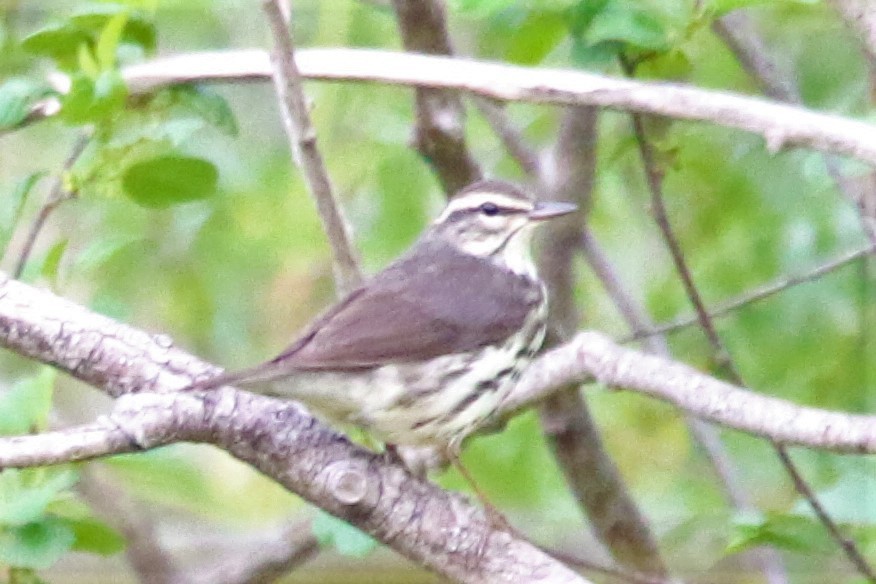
x: 568, y: 425
x: 781, y: 125
x: 295, y: 113
x: 440, y: 116
x: 417, y: 519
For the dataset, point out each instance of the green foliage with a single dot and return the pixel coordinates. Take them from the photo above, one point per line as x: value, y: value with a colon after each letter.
x: 100, y: 27
x: 603, y: 29
x: 168, y: 180
x: 233, y: 272
x: 10, y: 211
x: 168, y: 476
x: 788, y: 532
x: 17, y: 96
x: 26, y: 405
x: 343, y: 537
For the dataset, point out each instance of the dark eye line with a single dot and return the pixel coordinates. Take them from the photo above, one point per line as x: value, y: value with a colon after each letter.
x: 492, y: 209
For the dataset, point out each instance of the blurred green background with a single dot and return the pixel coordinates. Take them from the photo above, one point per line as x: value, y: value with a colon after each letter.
x: 191, y: 220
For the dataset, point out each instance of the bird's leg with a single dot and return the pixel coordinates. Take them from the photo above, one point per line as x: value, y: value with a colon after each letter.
x: 392, y: 455
x: 494, y: 516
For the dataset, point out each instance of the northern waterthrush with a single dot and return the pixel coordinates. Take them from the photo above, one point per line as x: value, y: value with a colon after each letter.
x: 427, y: 349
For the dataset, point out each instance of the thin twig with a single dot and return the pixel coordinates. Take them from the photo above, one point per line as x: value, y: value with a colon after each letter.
x: 57, y: 195
x: 513, y: 141
x: 760, y: 293
x: 720, y: 354
x: 638, y: 321
x: 738, y: 32
x: 145, y: 555
x: 302, y: 137
x: 704, y: 434
x: 264, y: 564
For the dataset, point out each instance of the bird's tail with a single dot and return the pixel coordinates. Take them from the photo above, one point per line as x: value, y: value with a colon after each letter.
x: 257, y: 374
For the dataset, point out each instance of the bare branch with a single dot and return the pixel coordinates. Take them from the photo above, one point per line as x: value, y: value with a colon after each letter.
x: 440, y: 116
x: 720, y: 355
x: 860, y: 15
x: 705, y: 435
x: 592, y: 355
x: 781, y: 125
x: 274, y: 557
x: 57, y: 195
x: 738, y: 32
x: 508, y: 134
x: 571, y: 431
x: 439, y: 529
x: 302, y: 138
x: 145, y: 555
x: 759, y: 293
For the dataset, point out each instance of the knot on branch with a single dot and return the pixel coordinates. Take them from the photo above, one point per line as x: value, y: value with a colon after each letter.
x: 347, y: 481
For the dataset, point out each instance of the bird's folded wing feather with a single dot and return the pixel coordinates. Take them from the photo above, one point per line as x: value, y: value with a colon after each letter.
x: 423, y: 306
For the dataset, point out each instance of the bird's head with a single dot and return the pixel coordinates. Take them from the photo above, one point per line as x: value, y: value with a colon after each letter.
x: 495, y: 220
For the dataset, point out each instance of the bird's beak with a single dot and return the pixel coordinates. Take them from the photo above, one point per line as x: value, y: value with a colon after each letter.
x: 548, y: 210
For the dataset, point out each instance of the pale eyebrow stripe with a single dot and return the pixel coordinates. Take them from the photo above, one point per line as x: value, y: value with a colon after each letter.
x: 473, y: 201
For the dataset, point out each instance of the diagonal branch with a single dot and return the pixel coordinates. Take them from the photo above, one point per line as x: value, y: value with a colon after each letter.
x: 567, y: 423
x: 707, y: 436
x: 440, y: 116
x: 57, y: 195
x: 759, y: 293
x: 720, y: 355
x: 439, y: 529
x: 302, y: 137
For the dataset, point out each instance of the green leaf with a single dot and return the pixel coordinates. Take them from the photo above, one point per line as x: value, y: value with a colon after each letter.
x: 630, y: 23
x: 167, y: 475
x: 108, y: 41
x: 10, y: 211
x: 721, y: 7
x: 786, y: 531
x: 536, y: 37
x: 96, y: 537
x: 110, y: 92
x: 102, y: 249
x: 209, y: 105
x: 36, y: 545
x: 87, y: 63
x: 57, y: 41
x: 169, y: 180
x: 92, y: 100
x: 52, y: 261
x: 25, y: 494
x: 26, y: 406
x: 137, y: 28
x: 17, y: 96
x: 346, y: 539
x: 850, y: 500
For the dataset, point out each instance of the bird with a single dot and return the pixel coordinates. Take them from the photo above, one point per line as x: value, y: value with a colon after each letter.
x: 425, y: 351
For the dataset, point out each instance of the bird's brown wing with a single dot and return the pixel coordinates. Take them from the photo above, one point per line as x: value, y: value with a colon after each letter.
x: 433, y: 302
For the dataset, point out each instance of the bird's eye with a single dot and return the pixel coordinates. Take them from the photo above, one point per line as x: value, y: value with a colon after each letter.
x: 489, y: 209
